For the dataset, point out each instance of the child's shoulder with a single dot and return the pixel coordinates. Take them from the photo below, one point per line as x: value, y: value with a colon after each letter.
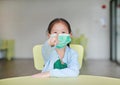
x: 70, y: 50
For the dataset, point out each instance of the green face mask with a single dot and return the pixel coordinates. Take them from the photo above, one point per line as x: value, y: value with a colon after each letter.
x: 63, y: 40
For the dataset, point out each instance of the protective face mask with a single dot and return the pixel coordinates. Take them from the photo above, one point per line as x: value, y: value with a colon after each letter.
x: 63, y: 40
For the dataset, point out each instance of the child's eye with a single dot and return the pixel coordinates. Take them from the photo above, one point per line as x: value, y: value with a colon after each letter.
x: 63, y: 32
x: 55, y: 32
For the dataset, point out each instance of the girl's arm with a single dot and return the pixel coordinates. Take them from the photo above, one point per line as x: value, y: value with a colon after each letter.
x: 49, y: 46
x: 46, y: 51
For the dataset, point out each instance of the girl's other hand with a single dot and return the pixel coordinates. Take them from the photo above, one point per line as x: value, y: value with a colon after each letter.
x: 41, y: 75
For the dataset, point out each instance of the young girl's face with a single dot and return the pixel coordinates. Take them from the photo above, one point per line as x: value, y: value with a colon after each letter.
x: 59, y: 28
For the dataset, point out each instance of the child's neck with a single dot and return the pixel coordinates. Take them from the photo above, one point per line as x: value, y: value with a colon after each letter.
x: 61, y: 53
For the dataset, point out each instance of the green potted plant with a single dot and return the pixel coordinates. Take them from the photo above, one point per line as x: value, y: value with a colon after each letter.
x: 82, y: 40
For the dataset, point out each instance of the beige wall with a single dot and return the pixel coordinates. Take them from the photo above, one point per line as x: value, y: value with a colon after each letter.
x: 26, y: 21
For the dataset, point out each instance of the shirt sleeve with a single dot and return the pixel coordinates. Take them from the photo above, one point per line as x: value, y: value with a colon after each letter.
x: 46, y: 51
x: 71, y: 71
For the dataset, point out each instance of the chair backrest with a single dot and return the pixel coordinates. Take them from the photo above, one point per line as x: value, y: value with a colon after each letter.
x: 38, y: 59
x: 37, y: 56
x: 80, y: 50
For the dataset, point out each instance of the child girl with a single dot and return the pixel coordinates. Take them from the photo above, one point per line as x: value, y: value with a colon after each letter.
x: 60, y: 60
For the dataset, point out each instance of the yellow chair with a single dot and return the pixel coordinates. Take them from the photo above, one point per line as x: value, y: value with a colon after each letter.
x: 37, y: 56
x: 80, y: 50
x: 9, y: 46
x: 38, y: 59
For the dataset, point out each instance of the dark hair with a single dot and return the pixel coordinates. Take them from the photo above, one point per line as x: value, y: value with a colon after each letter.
x: 58, y: 20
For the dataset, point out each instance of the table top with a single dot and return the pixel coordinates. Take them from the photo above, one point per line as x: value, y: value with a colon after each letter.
x: 80, y: 80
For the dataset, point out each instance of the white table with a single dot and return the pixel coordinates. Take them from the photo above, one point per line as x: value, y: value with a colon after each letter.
x: 81, y: 80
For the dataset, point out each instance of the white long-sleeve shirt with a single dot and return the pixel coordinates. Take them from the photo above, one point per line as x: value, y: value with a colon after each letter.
x: 50, y: 56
